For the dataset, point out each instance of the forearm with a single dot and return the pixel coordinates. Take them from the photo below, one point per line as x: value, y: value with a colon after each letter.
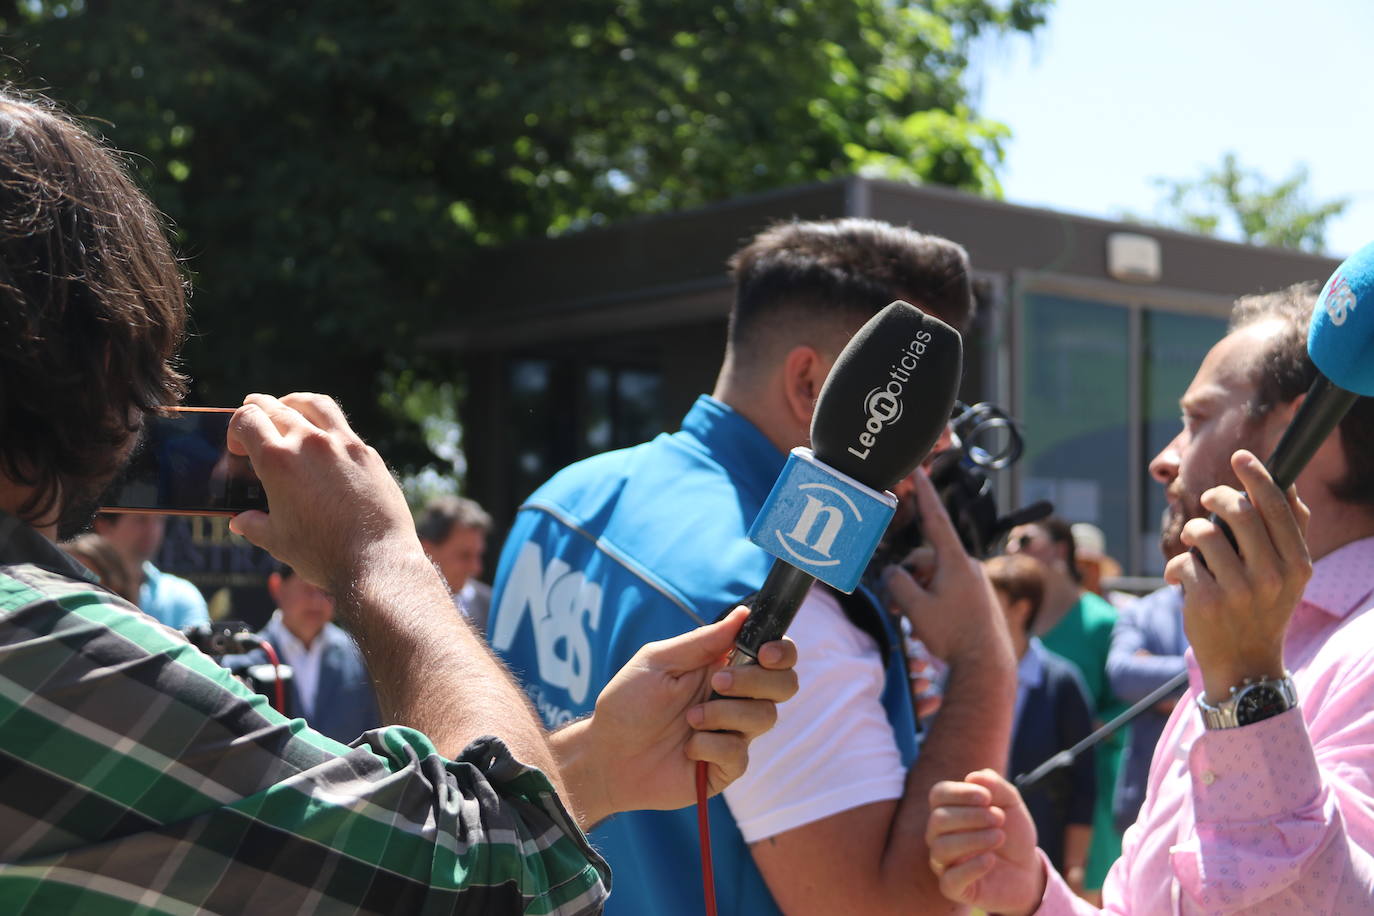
x: 431, y: 671
x: 1077, y: 839
x: 1133, y: 676
x: 972, y: 731
x: 1296, y: 811
x: 583, y: 772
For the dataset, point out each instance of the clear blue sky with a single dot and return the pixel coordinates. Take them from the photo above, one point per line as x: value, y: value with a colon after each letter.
x: 1111, y: 94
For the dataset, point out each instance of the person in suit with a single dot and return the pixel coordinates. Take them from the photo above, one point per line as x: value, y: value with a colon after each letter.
x: 329, y: 685
x: 1148, y: 643
x: 453, y: 531
x: 1053, y: 712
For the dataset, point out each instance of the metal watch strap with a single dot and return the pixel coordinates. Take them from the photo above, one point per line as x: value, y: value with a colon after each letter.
x: 1224, y: 714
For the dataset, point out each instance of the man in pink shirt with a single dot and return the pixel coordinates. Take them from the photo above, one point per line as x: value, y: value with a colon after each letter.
x: 1261, y: 793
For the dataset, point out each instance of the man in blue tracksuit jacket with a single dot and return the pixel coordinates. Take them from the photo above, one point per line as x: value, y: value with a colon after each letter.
x: 644, y: 543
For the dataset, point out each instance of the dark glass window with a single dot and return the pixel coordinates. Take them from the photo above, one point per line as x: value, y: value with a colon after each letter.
x: 531, y: 415
x: 1174, y: 346
x: 1075, y: 384
x: 564, y: 410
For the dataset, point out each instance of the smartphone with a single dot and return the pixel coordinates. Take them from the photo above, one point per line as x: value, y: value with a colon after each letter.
x: 182, y: 466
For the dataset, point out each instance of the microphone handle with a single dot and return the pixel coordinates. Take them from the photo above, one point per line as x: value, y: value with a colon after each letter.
x: 1320, y: 412
x: 771, y: 611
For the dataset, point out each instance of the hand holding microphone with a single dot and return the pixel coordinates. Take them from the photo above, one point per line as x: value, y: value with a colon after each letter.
x: 1237, y: 606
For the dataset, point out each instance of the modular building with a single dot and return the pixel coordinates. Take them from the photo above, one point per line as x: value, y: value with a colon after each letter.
x: 1087, y: 333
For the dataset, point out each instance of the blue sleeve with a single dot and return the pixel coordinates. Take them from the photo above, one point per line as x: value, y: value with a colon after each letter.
x: 189, y: 608
x: 1133, y: 676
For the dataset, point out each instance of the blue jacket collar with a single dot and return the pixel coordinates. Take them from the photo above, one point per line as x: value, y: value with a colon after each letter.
x: 733, y: 442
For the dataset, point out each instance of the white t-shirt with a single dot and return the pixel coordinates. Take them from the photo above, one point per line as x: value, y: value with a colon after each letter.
x: 832, y: 748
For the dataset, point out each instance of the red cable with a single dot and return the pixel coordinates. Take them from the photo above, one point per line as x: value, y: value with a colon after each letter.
x: 708, y: 876
x: 276, y: 675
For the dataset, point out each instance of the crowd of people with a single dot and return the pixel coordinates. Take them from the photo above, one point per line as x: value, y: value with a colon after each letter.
x: 326, y: 682
x: 413, y: 772
x: 1059, y: 631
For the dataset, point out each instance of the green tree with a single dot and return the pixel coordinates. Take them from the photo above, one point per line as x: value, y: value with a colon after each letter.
x: 328, y: 167
x: 1235, y: 201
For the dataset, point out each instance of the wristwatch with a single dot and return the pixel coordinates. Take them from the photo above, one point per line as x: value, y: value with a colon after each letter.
x: 1253, y: 701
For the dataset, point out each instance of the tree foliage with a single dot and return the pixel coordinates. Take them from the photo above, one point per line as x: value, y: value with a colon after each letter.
x: 1240, y: 202
x: 327, y: 167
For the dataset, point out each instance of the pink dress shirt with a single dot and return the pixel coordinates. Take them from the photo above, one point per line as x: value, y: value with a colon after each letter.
x: 1275, y: 817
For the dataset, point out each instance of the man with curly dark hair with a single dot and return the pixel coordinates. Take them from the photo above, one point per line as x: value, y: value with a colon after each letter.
x: 135, y: 774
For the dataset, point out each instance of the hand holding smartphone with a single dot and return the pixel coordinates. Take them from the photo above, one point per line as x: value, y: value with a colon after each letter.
x: 183, y: 466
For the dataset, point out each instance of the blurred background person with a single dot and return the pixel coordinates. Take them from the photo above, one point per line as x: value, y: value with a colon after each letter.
x: 1097, y: 568
x: 96, y: 554
x: 1148, y: 643
x: 453, y: 531
x: 162, y: 596
x: 1077, y: 624
x: 329, y: 685
x: 1053, y: 712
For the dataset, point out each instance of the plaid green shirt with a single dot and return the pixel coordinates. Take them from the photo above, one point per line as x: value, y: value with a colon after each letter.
x: 137, y: 776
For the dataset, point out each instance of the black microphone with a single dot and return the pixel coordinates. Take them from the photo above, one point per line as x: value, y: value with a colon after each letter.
x: 881, y: 410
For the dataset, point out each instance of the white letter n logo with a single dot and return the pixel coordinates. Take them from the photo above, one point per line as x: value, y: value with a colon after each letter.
x: 818, y: 514
x: 814, y: 511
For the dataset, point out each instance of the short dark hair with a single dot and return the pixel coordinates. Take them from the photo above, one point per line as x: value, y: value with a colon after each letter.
x: 845, y: 269
x: 1019, y: 576
x: 1285, y: 371
x: 92, y: 308
x: 441, y: 515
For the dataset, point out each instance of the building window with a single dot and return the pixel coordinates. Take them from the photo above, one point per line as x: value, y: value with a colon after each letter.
x: 1174, y: 346
x: 1098, y: 392
x: 564, y: 410
x: 620, y: 407
x: 531, y: 415
x: 1074, y: 409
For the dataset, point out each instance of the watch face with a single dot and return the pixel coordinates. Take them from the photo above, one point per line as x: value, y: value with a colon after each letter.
x: 1259, y: 702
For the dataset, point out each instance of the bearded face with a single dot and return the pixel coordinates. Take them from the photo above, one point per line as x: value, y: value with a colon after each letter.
x: 79, y: 506
x: 1218, y: 419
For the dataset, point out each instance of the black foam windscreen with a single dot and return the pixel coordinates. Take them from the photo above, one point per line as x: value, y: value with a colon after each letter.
x: 888, y: 396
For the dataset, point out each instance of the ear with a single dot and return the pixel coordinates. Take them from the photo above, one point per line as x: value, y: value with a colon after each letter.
x: 1276, y: 423
x: 274, y: 586
x: 804, y: 371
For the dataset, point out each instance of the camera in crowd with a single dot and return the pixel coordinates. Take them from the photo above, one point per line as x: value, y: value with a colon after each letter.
x: 233, y: 644
x: 984, y: 439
